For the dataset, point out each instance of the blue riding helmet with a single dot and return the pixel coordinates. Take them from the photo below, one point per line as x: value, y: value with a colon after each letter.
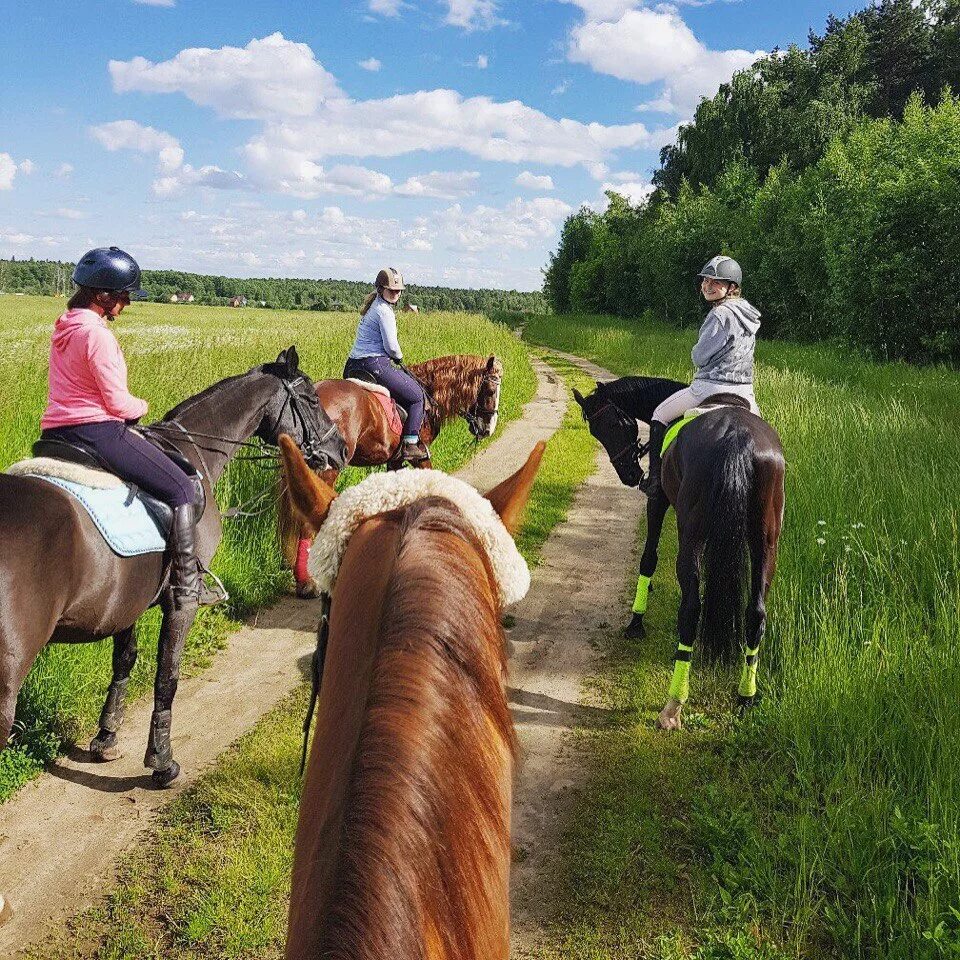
x: 109, y: 268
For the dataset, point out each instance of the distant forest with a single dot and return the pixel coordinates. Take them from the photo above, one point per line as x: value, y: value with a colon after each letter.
x: 53, y: 278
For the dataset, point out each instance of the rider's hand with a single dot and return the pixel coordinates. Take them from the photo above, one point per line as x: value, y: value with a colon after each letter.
x: 397, y: 361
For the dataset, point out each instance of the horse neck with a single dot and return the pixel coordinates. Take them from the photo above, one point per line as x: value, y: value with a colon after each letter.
x: 220, y: 419
x: 423, y: 725
x: 453, y: 383
x: 640, y: 396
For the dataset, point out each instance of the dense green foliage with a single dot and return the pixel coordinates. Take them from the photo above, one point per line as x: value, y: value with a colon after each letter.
x: 828, y: 825
x: 169, y: 357
x: 836, y: 188
x: 52, y: 277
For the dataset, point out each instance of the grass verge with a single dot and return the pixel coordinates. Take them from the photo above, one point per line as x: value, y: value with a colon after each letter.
x: 211, y: 879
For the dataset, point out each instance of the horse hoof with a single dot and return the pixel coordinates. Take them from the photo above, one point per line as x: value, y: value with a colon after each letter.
x: 634, y: 630
x: 307, y: 590
x: 746, y: 703
x: 103, y: 747
x: 163, y: 778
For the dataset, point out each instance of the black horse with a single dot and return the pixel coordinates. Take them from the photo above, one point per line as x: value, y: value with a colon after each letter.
x: 723, y: 475
x: 95, y: 593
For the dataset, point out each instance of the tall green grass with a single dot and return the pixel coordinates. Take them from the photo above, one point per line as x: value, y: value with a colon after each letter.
x: 834, y: 829
x: 173, y: 352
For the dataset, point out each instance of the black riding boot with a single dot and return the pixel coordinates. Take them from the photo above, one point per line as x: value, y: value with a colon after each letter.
x: 651, y: 486
x: 186, y: 582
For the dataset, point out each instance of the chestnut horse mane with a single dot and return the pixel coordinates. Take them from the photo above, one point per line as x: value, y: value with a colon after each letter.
x: 425, y: 821
x: 454, y: 382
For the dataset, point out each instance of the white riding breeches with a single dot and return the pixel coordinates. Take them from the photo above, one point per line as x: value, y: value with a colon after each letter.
x: 677, y: 404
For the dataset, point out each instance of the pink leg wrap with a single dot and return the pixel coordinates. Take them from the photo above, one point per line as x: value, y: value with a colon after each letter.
x: 300, y: 567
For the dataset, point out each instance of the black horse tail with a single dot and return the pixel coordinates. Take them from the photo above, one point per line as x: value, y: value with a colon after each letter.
x: 726, y: 554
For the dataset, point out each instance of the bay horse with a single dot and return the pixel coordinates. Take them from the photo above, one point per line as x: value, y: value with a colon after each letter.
x: 95, y: 593
x: 465, y: 386
x: 723, y: 475
x: 403, y: 841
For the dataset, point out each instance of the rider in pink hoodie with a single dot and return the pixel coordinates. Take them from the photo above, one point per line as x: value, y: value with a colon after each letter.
x: 90, y: 406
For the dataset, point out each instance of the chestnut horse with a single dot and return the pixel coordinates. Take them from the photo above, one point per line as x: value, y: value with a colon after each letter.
x: 460, y: 386
x: 403, y: 842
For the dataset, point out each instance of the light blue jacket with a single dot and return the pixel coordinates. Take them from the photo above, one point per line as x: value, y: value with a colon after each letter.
x: 724, y: 350
x: 377, y: 333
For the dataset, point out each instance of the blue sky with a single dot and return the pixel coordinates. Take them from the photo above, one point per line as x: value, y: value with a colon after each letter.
x: 449, y: 138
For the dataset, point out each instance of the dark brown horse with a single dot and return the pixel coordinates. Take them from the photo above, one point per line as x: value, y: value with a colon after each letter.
x: 723, y: 475
x: 96, y: 594
x: 403, y: 841
x: 460, y: 386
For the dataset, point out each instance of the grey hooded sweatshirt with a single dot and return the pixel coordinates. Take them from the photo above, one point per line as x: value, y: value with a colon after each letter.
x: 724, y: 349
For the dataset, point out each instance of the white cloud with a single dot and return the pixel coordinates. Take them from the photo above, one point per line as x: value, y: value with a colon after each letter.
x: 68, y: 213
x: 518, y: 226
x: 473, y: 14
x: 64, y: 170
x: 604, y: 9
x: 268, y: 77
x: 130, y: 135
x: 372, y: 64
x: 561, y: 88
x: 207, y: 176
x: 482, y: 62
x: 26, y: 167
x: 532, y: 182
x: 386, y: 8
x: 636, y: 191
x: 445, y: 185
x: 156, y: 3
x: 646, y: 46
x: 8, y: 171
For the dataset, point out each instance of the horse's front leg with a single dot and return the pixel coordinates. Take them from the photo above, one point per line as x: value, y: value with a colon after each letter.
x: 688, y: 573
x: 173, y: 632
x: 656, y: 512
x: 104, y: 744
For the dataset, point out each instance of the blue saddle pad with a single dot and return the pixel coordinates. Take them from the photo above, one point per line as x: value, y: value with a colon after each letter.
x: 123, y: 520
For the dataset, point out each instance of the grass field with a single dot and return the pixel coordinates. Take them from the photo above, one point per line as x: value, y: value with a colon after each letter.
x: 827, y: 824
x: 213, y: 878
x: 172, y: 352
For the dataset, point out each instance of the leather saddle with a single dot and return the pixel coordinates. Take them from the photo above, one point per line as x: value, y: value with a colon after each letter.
x: 160, y: 512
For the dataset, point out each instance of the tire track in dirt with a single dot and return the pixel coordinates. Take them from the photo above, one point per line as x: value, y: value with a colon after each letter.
x: 576, y: 593
x: 61, y: 834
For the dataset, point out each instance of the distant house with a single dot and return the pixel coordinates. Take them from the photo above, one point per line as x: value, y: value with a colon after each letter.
x: 410, y: 308
x: 181, y: 296
x: 238, y: 302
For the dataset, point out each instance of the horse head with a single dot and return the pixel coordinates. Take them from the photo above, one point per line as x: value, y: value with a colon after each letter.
x: 295, y: 411
x: 617, y: 431
x: 482, y: 417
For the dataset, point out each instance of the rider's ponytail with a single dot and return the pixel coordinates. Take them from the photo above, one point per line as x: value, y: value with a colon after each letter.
x: 365, y: 306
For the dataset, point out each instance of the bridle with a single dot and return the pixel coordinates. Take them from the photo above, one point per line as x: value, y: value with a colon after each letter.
x: 473, y: 415
x: 635, y: 447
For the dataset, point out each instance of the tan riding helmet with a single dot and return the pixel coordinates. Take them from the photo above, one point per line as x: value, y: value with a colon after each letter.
x: 390, y: 278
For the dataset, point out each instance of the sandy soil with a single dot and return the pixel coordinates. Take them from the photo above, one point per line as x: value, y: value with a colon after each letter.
x: 576, y: 592
x: 60, y: 835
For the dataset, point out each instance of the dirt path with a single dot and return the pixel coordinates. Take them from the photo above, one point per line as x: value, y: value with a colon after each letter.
x: 61, y: 834
x: 575, y: 593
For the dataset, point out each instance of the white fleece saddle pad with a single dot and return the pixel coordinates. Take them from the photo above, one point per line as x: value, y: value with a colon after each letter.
x: 381, y: 492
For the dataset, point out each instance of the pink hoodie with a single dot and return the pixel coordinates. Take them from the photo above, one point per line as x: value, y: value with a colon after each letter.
x: 88, y: 375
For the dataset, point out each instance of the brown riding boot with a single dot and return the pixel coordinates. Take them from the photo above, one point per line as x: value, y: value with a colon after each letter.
x: 188, y: 586
x: 415, y: 451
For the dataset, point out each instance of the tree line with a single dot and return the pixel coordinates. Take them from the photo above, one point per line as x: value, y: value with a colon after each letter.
x: 831, y: 172
x: 49, y: 277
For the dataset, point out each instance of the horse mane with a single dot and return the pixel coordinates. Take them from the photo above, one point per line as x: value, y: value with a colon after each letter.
x: 640, y: 396
x: 186, y: 404
x: 453, y: 379
x: 425, y: 836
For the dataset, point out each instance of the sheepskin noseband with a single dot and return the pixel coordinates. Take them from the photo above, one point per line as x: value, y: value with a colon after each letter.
x: 381, y: 492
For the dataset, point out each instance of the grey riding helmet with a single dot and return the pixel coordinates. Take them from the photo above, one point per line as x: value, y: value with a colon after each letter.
x: 109, y: 268
x: 723, y: 268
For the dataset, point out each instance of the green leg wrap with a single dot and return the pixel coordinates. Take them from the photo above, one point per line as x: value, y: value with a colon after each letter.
x: 748, y: 679
x: 680, y: 684
x: 643, y: 589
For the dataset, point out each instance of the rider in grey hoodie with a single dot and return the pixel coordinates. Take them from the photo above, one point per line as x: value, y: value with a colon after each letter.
x: 723, y: 356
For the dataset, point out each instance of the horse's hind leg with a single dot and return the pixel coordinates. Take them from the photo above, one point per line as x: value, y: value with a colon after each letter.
x: 656, y: 511
x: 688, y: 573
x: 763, y: 563
x: 173, y: 632
x: 104, y: 744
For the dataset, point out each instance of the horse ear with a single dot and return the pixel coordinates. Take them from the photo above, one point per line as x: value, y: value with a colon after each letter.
x: 578, y: 396
x: 309, y: 495
x: 510, y: 497
x: 491, y: 363
x: 600, y: 385
x: 293, y: 361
